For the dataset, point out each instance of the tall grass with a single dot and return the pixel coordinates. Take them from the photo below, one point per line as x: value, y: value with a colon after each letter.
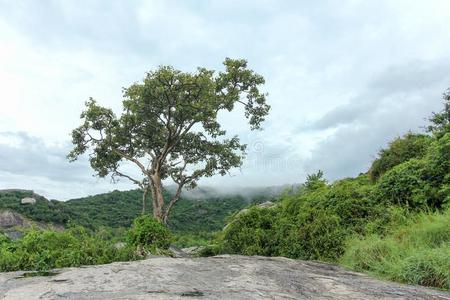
x: 415, y: 253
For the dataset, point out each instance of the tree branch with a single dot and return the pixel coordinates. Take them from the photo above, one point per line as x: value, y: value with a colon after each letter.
x: 172, y: 202
x: 135, y: 181
x: 132, y: 159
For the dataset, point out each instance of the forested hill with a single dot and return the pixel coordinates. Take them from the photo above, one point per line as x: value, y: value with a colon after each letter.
x: 200, y: 210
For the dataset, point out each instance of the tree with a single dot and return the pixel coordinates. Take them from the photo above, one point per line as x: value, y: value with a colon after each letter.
x: 440, y: 122
x: 401, y: 149
x: 169, y: 128
x: 315, y: 180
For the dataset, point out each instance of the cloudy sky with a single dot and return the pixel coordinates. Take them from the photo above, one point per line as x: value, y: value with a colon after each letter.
x: 343, y: 77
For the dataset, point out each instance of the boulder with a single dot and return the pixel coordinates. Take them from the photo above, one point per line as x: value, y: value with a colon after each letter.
x: 28, y: 200
x: 119, y: 245
x: 9, y: 219
x: 193, y: 251
x: 266, y: 204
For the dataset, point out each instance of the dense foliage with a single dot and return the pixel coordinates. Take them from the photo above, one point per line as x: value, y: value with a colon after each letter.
x: 399, y: 150
x: 148, y: 234
x: 440, y: 121
x: 393, y: 221
x: 118, y: 209
x: 48, y: 249
x: 43, y: 211
x: 311, y: 224
x: 169, y: 129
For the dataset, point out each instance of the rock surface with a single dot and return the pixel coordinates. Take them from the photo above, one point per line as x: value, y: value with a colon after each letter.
x: 12, y: 224
x: 220, y: 277
x: 9, y: 219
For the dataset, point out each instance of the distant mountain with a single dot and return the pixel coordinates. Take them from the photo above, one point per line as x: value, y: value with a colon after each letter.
x: 201, y: 209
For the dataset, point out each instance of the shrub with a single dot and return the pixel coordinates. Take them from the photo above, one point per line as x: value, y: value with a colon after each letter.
x: 3, y: 239
x: 440, y: 121
x: 210, y: 250
x: 350, y: 200
x: 418, y: 183
x: 148, y: 234
x: 438, y: 161
x: 400, y: 150
x: 388, y: 218
x: 47, y: 249
x: 317, y: 235
x: 404, y: 185
x: 251, y: 232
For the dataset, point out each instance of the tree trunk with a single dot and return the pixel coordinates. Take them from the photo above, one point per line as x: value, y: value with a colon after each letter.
x: 144, y: 198
x: 158, y: 198
x: 172, y: 203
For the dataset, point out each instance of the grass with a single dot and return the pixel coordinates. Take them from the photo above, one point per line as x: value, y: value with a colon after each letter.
x: 415, y: 253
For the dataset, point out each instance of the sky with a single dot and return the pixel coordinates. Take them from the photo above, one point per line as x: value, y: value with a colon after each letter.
x: 343, y: 77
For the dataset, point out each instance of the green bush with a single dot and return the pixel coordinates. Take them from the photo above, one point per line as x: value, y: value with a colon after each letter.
x: 3, y: 239
x: 438, y: 161
x: 47, y: 249
x: 350, y: 200
x: 404, y: 185
x: 311, y: 224
x: 148, y: 234
x: 400, y: 150
x: 251, y: 232
x: 319, y: 235
x: 418, y: 184
x: 388, y: 218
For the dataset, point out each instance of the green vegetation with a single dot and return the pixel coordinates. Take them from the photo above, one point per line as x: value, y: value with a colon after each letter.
x: 311, y: 224
x: 399, y: 150
x: 53, y: 211
x: 41, y: 250
x: 415, y: 253
x: 393, y: 221
x: 148, y: 234
x: 170, y: 130
x: 47, y: 249
x: 118, y: 209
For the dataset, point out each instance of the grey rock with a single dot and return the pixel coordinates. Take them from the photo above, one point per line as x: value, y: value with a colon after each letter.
x: 28, y: 200
x: 266, y: 204
x: 14, y: 234
x: 177, y: 252
x: 219, y: 277
x: 119, y: 245
x: 193, y: 251
x: 13, y: 224
x: 9, y: 219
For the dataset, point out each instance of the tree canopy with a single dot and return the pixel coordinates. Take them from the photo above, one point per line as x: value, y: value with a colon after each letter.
x: 440, y: 121
x: 169, y: 128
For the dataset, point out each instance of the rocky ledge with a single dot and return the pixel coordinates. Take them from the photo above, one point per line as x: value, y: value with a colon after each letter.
x: 219, y: 277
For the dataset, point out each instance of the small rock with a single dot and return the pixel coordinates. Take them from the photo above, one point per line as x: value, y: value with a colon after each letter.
x: 119, y: 245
